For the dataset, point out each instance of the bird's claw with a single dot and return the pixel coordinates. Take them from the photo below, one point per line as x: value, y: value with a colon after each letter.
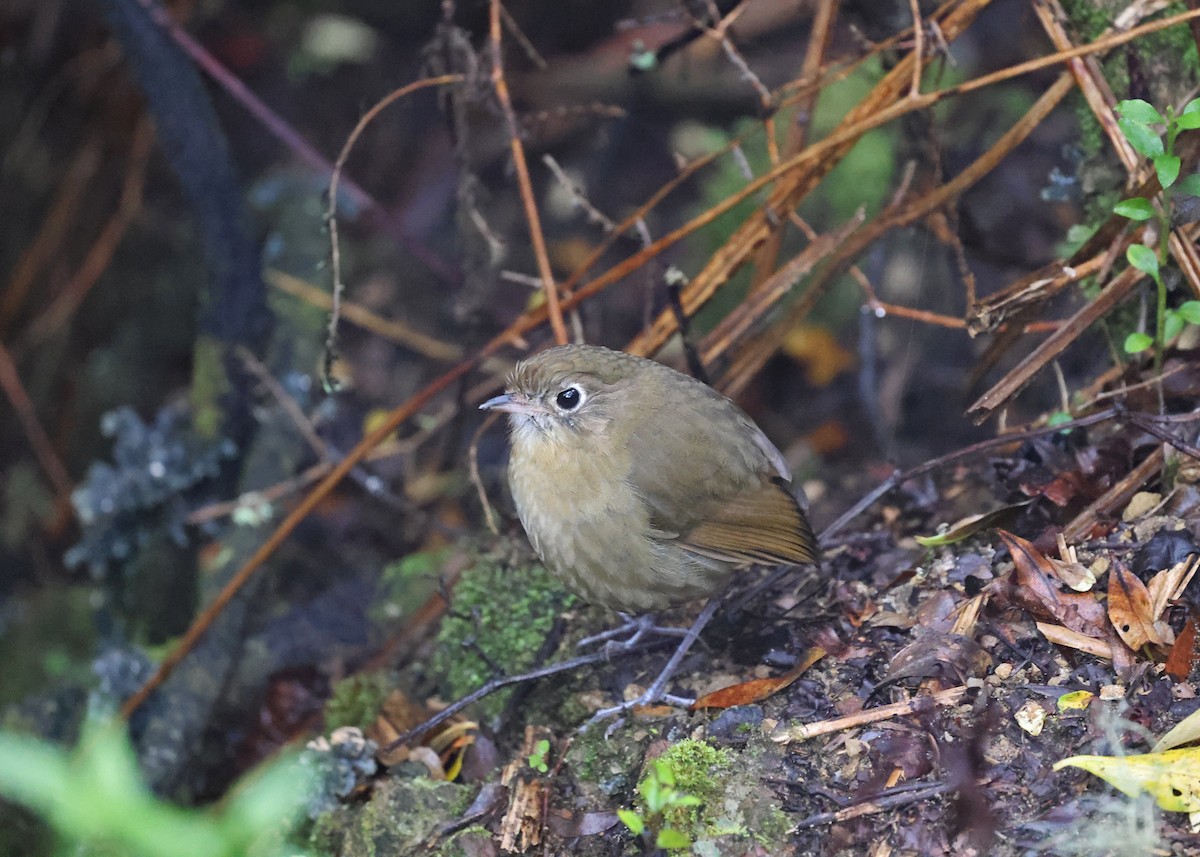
x: 650, y: 697
x: 636, y: 629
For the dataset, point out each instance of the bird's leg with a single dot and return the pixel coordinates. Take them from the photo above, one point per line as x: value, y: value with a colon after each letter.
x: 655, y: 693
x: 635, y: 628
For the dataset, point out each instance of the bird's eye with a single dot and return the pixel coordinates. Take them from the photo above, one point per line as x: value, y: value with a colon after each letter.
x: 569, y: 399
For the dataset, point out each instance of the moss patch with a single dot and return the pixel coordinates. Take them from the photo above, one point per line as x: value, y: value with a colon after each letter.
x: 356, y: 700
x: 501, y: 615
x: 400, y: 818
x: 406, y: 584
x: 734, y: 810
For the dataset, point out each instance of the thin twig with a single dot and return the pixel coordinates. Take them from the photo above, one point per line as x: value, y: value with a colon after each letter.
x: 392, y: 330
x: 100, y: 254
x: 824, y: 17
x: 1165, y: 436
x: 505, y: 681
x: 48, y: 242
x: 911, y: 793
x: 476, y: 479
x: 804, y: 731
x: 914, y: 7
x: 594, y: 215
x: 290, y: 406
x: 52, y: 466
x: 335, y: 178
x: 532, y: 218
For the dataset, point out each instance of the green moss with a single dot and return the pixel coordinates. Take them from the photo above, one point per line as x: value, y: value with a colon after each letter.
x: 468, y: 842
x: 401, y: 816
x: 357, y: 700
x: 210, y: 385
x: 734, y: 806
x: 699, y: 770
x: 498, y: 614
x: 407, y: 583
x: 605, y: 765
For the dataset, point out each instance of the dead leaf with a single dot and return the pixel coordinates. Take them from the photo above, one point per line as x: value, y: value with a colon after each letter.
x: 829, y: 437
x: 1061, y: 490
x: 968, y: 527
x: 1061, y: 636
x: 967, y: 615
x: 1031, y: 717
x: 1183, y: 652
x: 399, y: 713
x: 1129, y: 608
x: 940, y: 656
x: 1069, y: 569
x: 756, y: 690
x: 1037, y: 592
x: 570, y: 825
x: 1168, y: 585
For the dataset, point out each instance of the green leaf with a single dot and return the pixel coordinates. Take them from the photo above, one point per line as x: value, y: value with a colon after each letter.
x: 652, y: 795
x: 1188, y: 121
x: 1135, y: 343
x: 1142, y: 258
x: 33, y: 772
x: 1137, y: 208
x: 1189, y: 117
x: 269, y: 794
x: 1167, y: 167
x: 1140, y: 136
x: 686, y: 800
x: 1140, y: 111
x: 1189, y: 311
x: 632, y: 820
x: 1189, y: 185
x: 671, y: 838
x: 1172, y: 325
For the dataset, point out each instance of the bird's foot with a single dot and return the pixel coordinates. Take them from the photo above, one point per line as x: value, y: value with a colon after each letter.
x: 657, y: 691
x: 633, y: 630
x: 646, y: 699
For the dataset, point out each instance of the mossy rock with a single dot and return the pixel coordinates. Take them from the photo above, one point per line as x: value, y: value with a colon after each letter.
x: 402, y: 816
x: 502, y: 614
x: 356, y: 700
x: 735, y: 809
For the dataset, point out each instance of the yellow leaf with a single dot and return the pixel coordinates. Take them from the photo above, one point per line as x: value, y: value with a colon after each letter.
x: 1076, y: 700
x: 1172, y: 778
x: 1185, y: 731
x: 824, y: 359
x: 374, y: 419
x: 535, y: 300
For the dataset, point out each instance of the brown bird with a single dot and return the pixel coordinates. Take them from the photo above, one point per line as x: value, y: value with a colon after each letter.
x: 640, y: 487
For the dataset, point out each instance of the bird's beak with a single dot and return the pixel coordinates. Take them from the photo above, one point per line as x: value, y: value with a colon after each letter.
x: 513, y: 404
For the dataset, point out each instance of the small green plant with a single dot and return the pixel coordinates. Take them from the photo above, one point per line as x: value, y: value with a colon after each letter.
x: 94, y: 796
x: 659, y: 796
x: 1139, y: 123
x: 538, y: 758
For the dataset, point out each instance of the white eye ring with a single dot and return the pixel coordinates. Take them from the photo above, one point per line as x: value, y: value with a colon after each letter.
x: 569, y: 398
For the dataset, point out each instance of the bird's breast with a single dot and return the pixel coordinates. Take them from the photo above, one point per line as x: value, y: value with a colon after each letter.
x: 592, y: 529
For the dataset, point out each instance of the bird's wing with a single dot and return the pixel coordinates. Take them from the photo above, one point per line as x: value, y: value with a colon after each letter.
x: 726, y: 500
x: 761, y: 525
